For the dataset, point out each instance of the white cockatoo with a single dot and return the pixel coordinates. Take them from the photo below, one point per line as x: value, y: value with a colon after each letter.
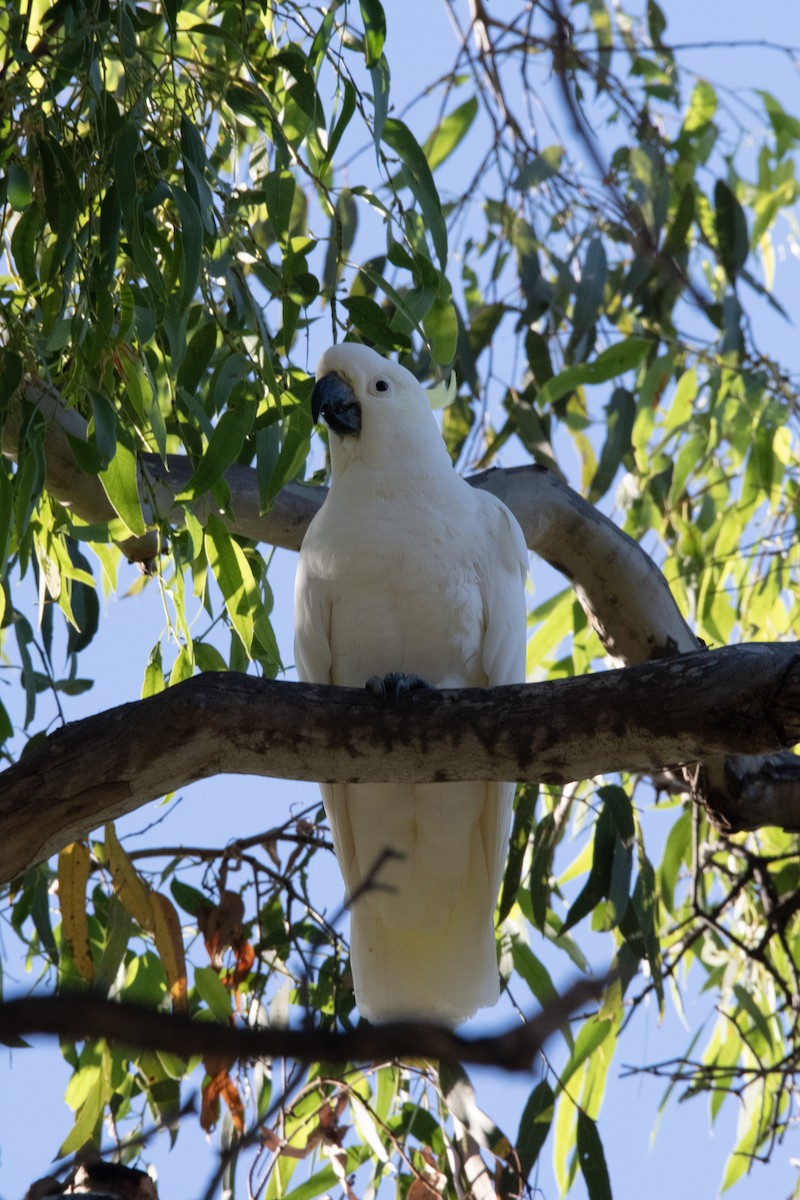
x: 408, y: 571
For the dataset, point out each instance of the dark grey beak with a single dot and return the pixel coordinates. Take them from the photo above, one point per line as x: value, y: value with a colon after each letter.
x: 334, y: 400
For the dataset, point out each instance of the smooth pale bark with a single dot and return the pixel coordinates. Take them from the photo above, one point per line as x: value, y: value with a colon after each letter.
x: 641, y: 718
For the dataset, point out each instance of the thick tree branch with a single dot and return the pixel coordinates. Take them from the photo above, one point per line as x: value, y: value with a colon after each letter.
x: 91, y: 1016
x: 625, y: 596
x: 740, y: 699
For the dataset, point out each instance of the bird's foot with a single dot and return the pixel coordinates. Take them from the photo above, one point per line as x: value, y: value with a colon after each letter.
x: 395, y: 684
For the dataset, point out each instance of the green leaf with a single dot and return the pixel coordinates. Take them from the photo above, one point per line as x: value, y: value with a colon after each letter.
x: 18, y: 188
x: 730, y: 224
x: 748, y: 1005
x: 544, y: 845
x: 616, y: 360
x: 522, y: 829
x: 232, y: 572
x: 702, y: 107
x: 534, y: 1126
x: 589, y: 295
x: 120, y: 483
x: 23, y: 245
x: 592, y: 1034
x: 279, y: 190
x: 380, y: 87
x: 224, y: 447
x: 374, y: 19
x: 190, y: 899
x: 598, y: 884
x: 119, y: 925
x: 543, y: 167
x: 400, y: 139
x: 448, y: 135
x: 676, y: 853
x: 785, y: 126
x: 297, y: 429
x: 191, y: 244
x: 342, y: 121
x: 213, y: 992
x: 620, y: 418
x: 591, y: 1159
x: 459, y: 1096
x: 441, y: 328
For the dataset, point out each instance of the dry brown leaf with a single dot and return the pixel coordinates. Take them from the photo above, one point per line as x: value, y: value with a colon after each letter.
x: 221, y: 927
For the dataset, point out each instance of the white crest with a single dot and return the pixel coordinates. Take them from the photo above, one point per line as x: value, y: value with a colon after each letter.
x: 443, y: 394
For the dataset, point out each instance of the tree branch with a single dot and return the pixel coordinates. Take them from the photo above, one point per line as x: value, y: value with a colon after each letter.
x: 739, y: 699
x: 626, y: 597
x: 86, y: 1016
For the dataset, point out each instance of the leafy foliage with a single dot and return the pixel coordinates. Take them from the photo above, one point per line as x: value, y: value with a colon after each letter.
x: 188, y: 213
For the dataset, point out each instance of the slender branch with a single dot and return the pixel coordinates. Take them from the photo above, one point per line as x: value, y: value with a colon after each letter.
x: 89, y: 1016
x: 677, y: 710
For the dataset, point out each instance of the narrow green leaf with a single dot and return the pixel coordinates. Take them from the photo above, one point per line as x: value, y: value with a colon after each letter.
x: 120, y: 483
x: 441, y: 328
x: 459, y: 1096
x: 534, y: 1126
x: 544, y: 845
x: 589, y: 295
x: 374, y: 19
x: 620, y: 418
x: 748, y: 1004
x: 213, y: 993
x: 400, y: 139
x: 232, y: 572
x: 23, y: 245
x: 592, y: 1034
x: 676, y: 853
x: 591, y: 1159
x: 543, y: 167
x: 40, y: 910
x: 279, y: 189
x: 192, y: 245
x: 616, y: 360
x: 297, y: 429
x: 448, y: 135
x: 730, y: 224
x: 380, y: 100
x: 598, y: 884
x: 223, y: 448
x: 521, y: 832
x: 342, y: 121
x: 190, y: 899
x: 119, y: 925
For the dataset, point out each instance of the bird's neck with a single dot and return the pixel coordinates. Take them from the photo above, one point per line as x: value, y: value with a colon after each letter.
x: 398, y: 464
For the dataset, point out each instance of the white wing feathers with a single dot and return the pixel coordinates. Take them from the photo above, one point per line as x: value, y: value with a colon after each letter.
x: 407, y: 568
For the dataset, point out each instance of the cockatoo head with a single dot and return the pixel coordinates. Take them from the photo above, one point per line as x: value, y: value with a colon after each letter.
x: 375, y: 409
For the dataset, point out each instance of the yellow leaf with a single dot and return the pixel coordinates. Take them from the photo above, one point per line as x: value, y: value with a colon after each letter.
x: 128, y: 883
x: 73, y: 876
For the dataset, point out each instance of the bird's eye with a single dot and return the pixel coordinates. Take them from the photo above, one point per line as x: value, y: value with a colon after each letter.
x: 381, y: 385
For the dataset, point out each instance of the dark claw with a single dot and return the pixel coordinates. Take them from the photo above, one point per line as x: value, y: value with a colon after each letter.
x: 396, y: 684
